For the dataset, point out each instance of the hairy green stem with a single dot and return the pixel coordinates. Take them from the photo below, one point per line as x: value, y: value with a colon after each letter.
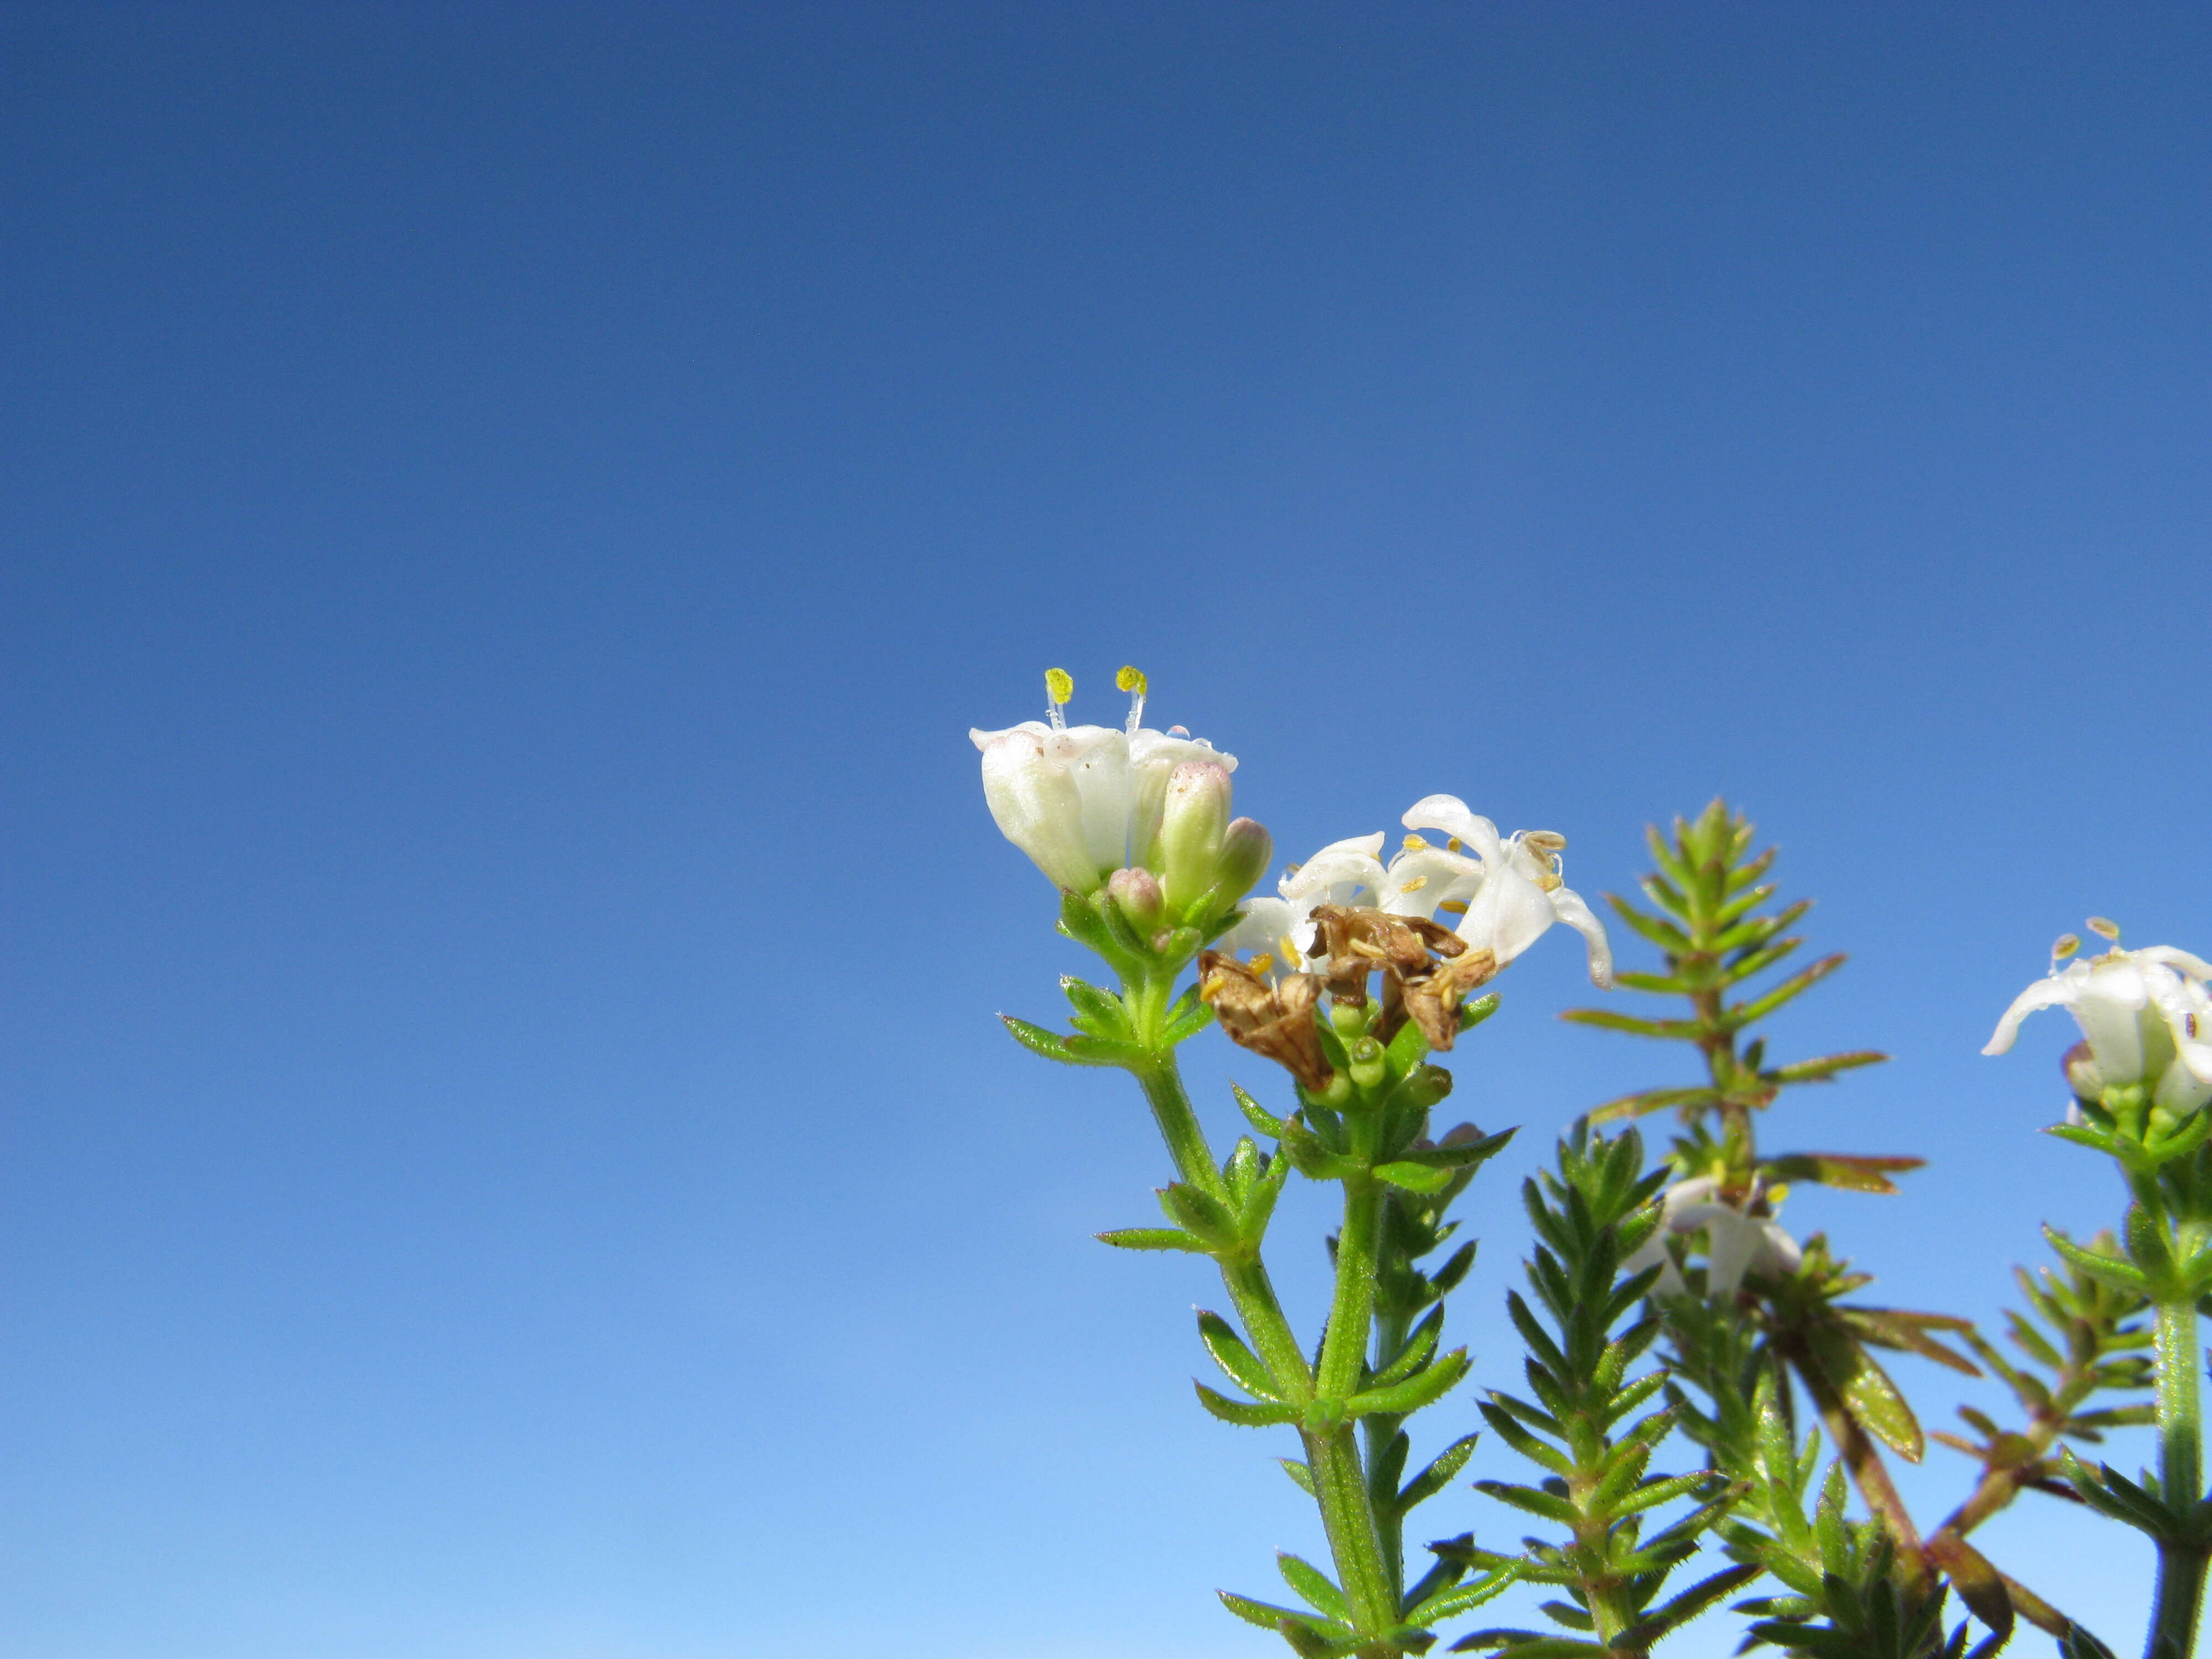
x: 2181, y: 1480
x: 1332, y: 1456
x: 1355, y: 1538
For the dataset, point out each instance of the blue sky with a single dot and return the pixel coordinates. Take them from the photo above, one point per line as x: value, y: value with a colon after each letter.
x: 511, y: 512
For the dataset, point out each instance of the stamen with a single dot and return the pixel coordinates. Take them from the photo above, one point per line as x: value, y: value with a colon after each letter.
x: 1289, y: 947
x: 2065, y: 947
x: 1458, y: 906
x: 1414, y: 843
x: 1292, y: 870
x: 1453, y: 845
x: 1415, y: 885
x: 1059, y: 687
x: 2104, y: 929
x: 1547, y: 841
x: 1260, y: 964
x: 1132, y: 680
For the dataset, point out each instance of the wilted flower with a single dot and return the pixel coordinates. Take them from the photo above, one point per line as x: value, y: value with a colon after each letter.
x: 1084, y: 801
x: 1736, y: 1241
x: 2145, y: 1014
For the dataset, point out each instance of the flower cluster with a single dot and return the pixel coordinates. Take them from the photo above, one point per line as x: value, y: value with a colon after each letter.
x: 1495, y: 894
x: 1144, y: 811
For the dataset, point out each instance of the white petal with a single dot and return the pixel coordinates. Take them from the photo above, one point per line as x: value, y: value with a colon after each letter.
x: 1683, y: 1195
x: 1568, y: 905
x: 1036, y: 805
x: 1097, y: 759
x: 1264, y: 923
x: 2053, y: 991
x: 1778, y: 1255
x: 1422, y: 878
x: 2195, y: 967
x: 2110, y: 1011
x: 1509, y: 913
x: 1731, y: 1240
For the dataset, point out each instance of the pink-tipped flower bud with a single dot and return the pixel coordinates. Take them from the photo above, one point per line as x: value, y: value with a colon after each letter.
x: 1246, y: 850
x: 1138, y: 893
x: 1191, y: 829
x: 2082, y: 1076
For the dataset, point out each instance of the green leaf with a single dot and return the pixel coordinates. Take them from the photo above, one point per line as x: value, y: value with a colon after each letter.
x: 1238, y: 1363
x: 1300, y: 1474
x: 1417, y: 1348
x: 1745, y: 1014
x: 1460, y: 1155
x: 2105, y: 1269
x: 1258, y: 1115
x: 1653, y: 1100
x: 1267, y: 1616
x: 1403, y: 1399
x: 1039, y: 1041
x: 1683, y: 1031
x: 1414, y: 1177
x: 1542, y: 1504
x: 1186, y: 1019
x: 1155, y: 1238
x: 1871, y: 1397
x: 1198, y: 1212
x: 1314, y: 1584
x: 1099, y: 1013
x: 1438, y: 1474
x: 1472, y: 1014
x: 1664, y: 934
x: 1245, y: 1414
x: 1087, y: 1050
x: 1821, y: 1070
x: 1848, y: 1171
x: 1463, y: 1598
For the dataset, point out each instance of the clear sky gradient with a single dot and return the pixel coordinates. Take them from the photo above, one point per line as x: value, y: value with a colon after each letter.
x: 510, y: 513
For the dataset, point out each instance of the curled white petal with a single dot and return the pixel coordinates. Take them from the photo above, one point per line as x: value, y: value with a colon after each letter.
x: 2054, y: 991
x: 1568, y: 905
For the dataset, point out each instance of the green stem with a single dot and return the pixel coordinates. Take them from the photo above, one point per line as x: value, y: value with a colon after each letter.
x: 1333, y: 1457
x: 2181, y: 1481
x: 1354, y: 1536
x: 1391, y: 1327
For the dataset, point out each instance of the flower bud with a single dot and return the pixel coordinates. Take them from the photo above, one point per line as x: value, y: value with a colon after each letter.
x: 2081, y: 1074
x: 1191, y: 830
x: 1246, y: 850
x: 1138, y: 893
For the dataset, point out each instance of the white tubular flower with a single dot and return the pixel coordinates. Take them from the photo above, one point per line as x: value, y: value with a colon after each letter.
x: 1497, y: 894
x: 2145, y: 1013
x: 1075, y: 799
x: 1735, y: 1242
x: 1281, y: 929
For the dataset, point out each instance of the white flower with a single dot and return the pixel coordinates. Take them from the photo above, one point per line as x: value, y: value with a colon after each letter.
x: 1502, y: 897
x: 2145, y: 1013
x: 1498, y: 895
x: 1282, y: 929
x: 1735, y: 1242
x: 1084, y: 801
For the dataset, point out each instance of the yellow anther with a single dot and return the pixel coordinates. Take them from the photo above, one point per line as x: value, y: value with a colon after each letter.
x: 1414, y: 843
x: 2104, y: 929
x: 1454, y: 844
x: 1131, y: 679
x: 2067, y: 944
x: 1547, y: 841
x: 1289, y: 947
x: 1551, y: 881
x: 1415, y: 885
x: 1458, y: 906
x: 1059, y: 685
x: 1260, y: 964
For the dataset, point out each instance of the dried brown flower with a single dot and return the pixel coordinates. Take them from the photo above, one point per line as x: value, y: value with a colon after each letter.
x: 1274, y: 1020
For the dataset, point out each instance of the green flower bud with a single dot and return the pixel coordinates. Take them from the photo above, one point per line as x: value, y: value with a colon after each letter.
x: 1138, y: 893
x: 1246, y: 850
x: 1191, y: 830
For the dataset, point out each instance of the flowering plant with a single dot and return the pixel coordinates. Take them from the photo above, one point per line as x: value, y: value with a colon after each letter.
x: 1671, y: 1319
